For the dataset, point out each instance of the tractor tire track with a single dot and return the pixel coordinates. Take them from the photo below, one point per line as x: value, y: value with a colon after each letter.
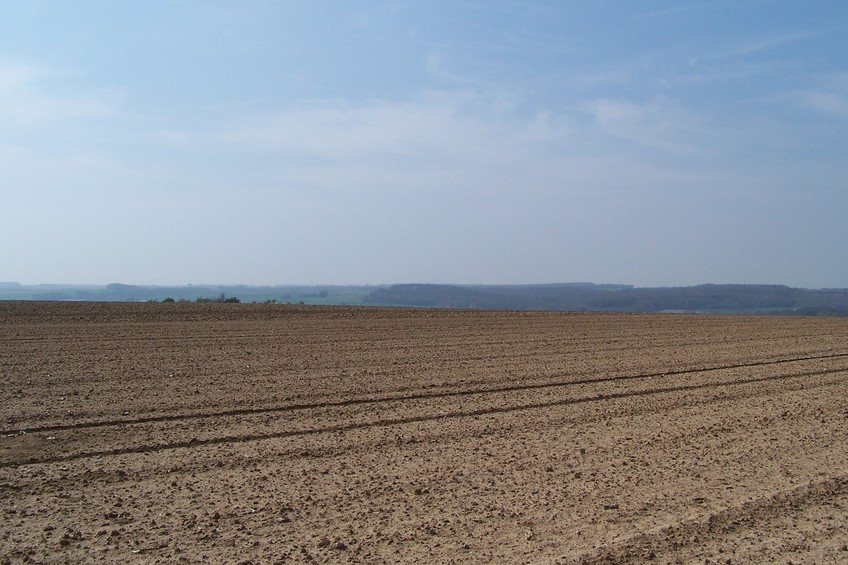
x: 439, y: 415
x: 407, y: 397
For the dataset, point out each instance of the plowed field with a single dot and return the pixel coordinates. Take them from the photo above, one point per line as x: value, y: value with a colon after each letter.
x: 227, y: 433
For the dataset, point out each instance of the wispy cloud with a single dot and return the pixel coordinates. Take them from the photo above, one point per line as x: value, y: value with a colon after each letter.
x: 675, y: 10
x: 340, y: 130
x: 829, y: 96
x: 768, y: 43
x: 439, y: 126
x: 704, y: 71
x: 827, y: 102
x: 35, y: 95
x: 659, y: 123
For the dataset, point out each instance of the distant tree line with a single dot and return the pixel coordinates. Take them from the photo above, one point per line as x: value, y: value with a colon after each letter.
x: 220, y: 299
x: 766, y: 299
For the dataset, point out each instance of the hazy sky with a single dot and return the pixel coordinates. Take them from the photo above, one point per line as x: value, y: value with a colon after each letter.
x: 269, y: 142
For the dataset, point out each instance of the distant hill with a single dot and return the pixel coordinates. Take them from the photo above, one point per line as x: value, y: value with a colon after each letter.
x: 706, y: 298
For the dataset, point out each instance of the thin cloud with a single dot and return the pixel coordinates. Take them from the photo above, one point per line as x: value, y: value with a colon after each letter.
x: 659, y: 123
x: 35, y: 95
x: 343, y: 130
x: 439, y: 125
x: 707, y: 71
x: 769, y: 43
x: 16, y: 76
x: 675, y: 10
x: 829, y: 96
x: 761, y: 44
x: 826, y: 102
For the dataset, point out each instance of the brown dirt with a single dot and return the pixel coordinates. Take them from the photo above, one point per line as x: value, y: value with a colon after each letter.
x: 144, y: 433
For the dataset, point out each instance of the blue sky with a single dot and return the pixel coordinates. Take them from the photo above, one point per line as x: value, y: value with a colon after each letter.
x: 270, y: 142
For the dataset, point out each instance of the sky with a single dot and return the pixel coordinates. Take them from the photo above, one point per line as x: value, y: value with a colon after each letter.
x: 651, y: 143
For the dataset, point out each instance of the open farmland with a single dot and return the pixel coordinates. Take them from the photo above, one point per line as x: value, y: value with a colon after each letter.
x: 255, y: 433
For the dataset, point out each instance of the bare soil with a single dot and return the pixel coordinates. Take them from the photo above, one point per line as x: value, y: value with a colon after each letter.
x: 235, y: 433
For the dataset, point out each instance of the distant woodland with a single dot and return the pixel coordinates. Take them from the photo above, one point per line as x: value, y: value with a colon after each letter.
x: 707, y: 298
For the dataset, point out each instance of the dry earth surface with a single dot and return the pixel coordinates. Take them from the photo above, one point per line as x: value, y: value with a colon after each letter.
x: 234, y: 433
